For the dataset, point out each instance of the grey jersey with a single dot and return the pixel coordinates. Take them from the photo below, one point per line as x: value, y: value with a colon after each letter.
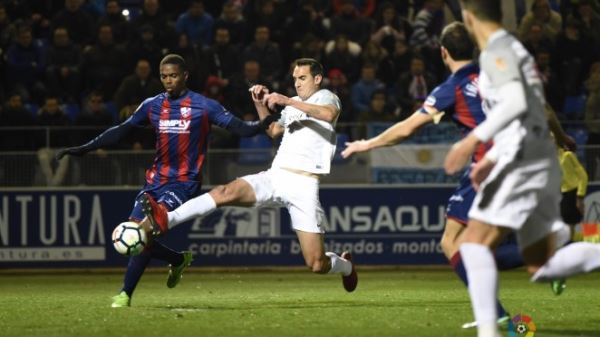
x: 503, y: 61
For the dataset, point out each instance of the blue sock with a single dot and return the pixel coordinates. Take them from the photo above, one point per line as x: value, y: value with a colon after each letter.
x: 459, y: 269
x: 137, y: 264
x: 162, y: 252
x: 135, y: 269
x: 508, y: 256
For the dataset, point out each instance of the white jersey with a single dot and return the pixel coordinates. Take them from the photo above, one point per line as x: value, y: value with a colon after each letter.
x: 308, y: 143
x: 503, y: 61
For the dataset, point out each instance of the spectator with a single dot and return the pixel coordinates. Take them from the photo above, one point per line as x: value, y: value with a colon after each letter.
x: 25, y: 63
x: 237, y: 91
x: 62, y: 72
x: 374, y: 54
x: 390, y: 27
x: 214, y: 89
x: 14, y: 113
x: 427, y: 26
x: 592, y: 121
x: 197, y: 24
x: 413, y: 86
x: 7, y: 30
x: 145, y: 47
x: 343, y: 55
x: 338, y: 84
x: 103, y: 64
x: 268, y: 14
x: 153, y: 16
x: 306, y: 21
x: 552, y: 85
x: 348, y: 22
x: 364, y: 8
x: 94, y: 113
x: 541, y: 14
x: 135, y: 87
x: 535, y: 40
x: 223, y: 57
x: 51, y: 114
x: 378, y: 109
x: 590, y: 20
x: 395, y: 64
x: 310, y: 46
x: 266, y: 53
x: 118, y: 23
x: 363, y: 89
x: 231, y: 18
x: 573, y: 57
x: 196, y: 59
x: 78, y: 23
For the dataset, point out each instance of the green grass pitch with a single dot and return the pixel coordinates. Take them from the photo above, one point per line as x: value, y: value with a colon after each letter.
x: 399, y: 302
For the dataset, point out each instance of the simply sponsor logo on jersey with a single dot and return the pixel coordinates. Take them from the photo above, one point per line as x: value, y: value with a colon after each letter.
x: 174, y: 126
x: 472, y: 88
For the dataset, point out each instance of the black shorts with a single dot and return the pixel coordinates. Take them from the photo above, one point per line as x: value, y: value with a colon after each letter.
x: 568, y: 207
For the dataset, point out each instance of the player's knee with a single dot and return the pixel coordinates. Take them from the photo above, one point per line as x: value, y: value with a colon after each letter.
x: 222, y: 194
x: 448, y: 246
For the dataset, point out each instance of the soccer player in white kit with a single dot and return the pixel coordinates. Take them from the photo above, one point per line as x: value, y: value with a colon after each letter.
x: 518, y: 181
x: 307, y: 124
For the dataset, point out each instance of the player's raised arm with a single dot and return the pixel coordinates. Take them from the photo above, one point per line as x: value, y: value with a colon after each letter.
x: 392, y: 135
x: 268, y: 121
x: 327, y: 113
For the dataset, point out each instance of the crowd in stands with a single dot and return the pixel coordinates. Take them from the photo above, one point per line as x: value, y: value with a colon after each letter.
x: 90, y: 63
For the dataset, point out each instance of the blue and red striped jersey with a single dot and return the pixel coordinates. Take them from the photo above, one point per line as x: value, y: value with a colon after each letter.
x: 459, y: 94
x: 182, y: 127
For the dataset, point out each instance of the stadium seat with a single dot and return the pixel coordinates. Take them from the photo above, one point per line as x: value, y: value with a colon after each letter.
x: 255, y: 150
x: 71, y: 110
x: 574, y: 106
x: 342, y: 138
x: 112, y: 110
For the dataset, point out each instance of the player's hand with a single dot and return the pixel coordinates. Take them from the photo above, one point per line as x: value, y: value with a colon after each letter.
x: 273, y: 99
x: 580, y: 205
x: 354, y: 147
x: 460, y: 154
x: 480, y: 171
x: 569, y: 143
x: 72, y: 151
x: 258, y: 92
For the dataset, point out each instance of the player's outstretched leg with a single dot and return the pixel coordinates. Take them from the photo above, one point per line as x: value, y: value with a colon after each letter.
x: 176, y: 272
x: 350, y: 281
x: 135, y: 269
x: 156, y: 213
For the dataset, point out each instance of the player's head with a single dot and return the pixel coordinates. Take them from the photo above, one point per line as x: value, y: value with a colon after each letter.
x: 456, y: 43
x: 173, y: 74
x: 482, y: 11
x: 307, y: 74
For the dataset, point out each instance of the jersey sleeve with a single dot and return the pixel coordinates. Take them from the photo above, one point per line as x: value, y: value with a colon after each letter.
x: 441, y: 98
x: 501, y: 65
x: 326, y: 97
x: 139, y: 118
x: 218, y: 114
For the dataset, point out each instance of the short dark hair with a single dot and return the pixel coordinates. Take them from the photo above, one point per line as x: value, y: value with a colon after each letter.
x: 315, y: 67
x: 174, y: 59
x: 485, y: 10
x: 457, y: 41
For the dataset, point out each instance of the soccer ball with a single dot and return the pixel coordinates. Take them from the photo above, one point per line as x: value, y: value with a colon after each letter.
x: 129, y: 238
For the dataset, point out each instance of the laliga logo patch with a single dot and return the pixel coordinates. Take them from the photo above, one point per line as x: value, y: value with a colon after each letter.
x: 185, y: 111
x: 521, y: 325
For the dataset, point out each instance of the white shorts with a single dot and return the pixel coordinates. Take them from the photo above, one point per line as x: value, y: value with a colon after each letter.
x: 298, y: 193
x: 524, y: 196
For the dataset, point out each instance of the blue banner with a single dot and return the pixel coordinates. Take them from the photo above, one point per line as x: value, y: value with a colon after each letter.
x: 72, y: 228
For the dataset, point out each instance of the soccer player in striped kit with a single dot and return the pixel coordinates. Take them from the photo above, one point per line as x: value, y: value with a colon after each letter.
x: 182, y: 121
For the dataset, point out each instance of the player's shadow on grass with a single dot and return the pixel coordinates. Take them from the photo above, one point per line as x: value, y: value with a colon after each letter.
x: 569, y: 332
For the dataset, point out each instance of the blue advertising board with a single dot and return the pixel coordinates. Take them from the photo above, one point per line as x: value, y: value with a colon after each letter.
x: 72, y: 228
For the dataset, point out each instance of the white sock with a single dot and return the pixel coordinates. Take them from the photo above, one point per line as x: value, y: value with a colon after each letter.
x: 483, y: 284
x: 193, y: 208
x: 339, y: 265
x: 576, y: 258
